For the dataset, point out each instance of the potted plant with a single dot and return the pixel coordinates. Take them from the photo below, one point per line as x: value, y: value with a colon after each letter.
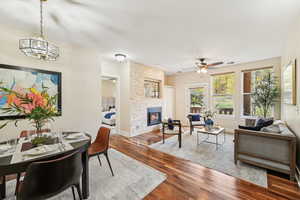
x: 265, y: 94
x: 37, y: 107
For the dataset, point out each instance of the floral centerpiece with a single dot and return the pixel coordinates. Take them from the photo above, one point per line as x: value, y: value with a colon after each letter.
x: 38, y: 107
x: 208, y: 116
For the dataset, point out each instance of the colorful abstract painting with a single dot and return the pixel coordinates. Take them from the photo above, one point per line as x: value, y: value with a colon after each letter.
x: 19, y: 79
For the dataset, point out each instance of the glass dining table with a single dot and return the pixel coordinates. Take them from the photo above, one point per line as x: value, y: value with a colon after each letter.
x: 16, y: 159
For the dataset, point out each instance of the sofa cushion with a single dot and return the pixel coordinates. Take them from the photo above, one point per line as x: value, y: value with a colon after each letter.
x: 285, y: 130
x: 271, y: 129
x: 251, y: 128
x: 198, y: 123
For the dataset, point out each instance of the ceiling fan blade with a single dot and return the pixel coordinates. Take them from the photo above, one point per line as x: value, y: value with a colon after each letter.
x: 214, y: 64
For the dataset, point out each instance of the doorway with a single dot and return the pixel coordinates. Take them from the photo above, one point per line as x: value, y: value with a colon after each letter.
x: 110, y: 103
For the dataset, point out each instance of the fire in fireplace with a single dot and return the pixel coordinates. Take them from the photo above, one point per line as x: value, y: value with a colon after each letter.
x: 153, y: 116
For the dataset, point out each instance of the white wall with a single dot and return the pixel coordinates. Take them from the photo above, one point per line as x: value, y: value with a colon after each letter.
x: 108, y: 88
x: 291, y: 113
x: 169, y: 102
x: 80, y: 84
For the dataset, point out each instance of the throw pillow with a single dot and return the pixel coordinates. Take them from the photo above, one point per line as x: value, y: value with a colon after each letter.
x: 170, y: 124
x: 264, y: 122
x: 196, y: 117
x: 277, y: 122
x: 268, y: 122
x: 251, y: 128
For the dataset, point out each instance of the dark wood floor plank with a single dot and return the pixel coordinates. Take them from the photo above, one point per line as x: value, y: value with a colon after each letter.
x: 187, y: 180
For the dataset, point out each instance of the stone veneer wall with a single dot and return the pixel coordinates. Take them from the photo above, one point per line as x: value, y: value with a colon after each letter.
x: 138, y: 102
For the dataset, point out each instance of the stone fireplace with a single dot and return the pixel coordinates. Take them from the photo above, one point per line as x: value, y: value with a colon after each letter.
x: 153, y: 116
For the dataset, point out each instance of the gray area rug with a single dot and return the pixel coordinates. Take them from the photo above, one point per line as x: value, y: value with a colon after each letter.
x: 206, y: 155
x: 133, y: 180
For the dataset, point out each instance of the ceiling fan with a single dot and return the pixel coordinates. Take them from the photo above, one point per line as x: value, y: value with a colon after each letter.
x: 203, y: 66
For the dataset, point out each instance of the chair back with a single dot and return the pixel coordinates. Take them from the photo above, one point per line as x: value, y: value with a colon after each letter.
x: 194, y: 117
x: 26, y: 133
x: 48, y: 178
x: 103, y: 137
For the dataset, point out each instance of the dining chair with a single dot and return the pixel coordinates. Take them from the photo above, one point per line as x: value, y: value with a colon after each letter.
x: 101, y: 145
x: 26, y: 133
x: 48, y: 178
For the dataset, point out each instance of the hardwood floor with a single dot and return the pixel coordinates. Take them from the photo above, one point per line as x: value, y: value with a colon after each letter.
x: 189, y: 181
x: 151, y: 137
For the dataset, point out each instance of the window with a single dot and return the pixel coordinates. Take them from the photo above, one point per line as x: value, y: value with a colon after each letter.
x: 223, y: 89
x: 250, y: 80
x: 196, y: 99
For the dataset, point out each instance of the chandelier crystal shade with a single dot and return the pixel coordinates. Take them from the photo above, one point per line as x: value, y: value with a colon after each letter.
x: 39, y: 47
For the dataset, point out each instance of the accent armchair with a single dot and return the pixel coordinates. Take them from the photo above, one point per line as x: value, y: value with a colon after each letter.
x: 172, y: 127
x: 195, y: 121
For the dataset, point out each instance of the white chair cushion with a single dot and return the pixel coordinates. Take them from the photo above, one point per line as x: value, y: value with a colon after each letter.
x: 197, y: 123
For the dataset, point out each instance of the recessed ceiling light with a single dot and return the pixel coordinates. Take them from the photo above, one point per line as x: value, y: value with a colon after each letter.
x: 120, y: 57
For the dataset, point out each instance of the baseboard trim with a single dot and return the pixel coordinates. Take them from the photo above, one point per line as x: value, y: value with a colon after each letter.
x: 125, y: 133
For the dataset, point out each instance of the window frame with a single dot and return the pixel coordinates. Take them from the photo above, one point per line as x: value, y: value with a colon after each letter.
x: 187, y: 93
x: 227, y: 95
x: 247, y: 93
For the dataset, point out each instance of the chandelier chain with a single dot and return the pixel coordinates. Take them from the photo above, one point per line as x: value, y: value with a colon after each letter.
x: 41, y: 19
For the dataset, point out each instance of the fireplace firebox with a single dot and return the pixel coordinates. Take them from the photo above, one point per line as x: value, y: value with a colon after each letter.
x: 154, y: 116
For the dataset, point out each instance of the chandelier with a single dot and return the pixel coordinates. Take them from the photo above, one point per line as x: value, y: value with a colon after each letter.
x: 39, y: 47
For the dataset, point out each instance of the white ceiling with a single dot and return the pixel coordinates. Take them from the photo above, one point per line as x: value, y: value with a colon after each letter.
x: 164, y: 33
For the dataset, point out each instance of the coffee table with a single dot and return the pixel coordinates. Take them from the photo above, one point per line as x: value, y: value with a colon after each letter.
x: 215, y: 132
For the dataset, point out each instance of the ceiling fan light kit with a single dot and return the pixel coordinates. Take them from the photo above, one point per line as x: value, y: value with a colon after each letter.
x: 38, y: 47
x: 202, y: 66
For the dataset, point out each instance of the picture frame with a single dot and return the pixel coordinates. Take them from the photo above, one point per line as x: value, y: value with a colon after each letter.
x: 289, y: 83
x: 22, y: 77
x: 152, y: 88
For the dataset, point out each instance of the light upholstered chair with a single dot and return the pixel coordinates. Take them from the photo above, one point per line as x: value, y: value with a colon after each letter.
x: 195, y: 121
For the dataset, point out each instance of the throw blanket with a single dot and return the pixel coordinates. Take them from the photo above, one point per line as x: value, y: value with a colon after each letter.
x: 108, y: 115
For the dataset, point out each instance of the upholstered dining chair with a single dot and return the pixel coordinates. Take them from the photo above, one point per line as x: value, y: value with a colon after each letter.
x: 27, y: 133
x: 101, y: 145
x: 195, y: 121
x: 172, y: 127
x: 48, y: 178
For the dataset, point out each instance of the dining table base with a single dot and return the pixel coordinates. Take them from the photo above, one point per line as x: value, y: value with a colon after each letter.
x: 85, y: 175
x: 2, y: 187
